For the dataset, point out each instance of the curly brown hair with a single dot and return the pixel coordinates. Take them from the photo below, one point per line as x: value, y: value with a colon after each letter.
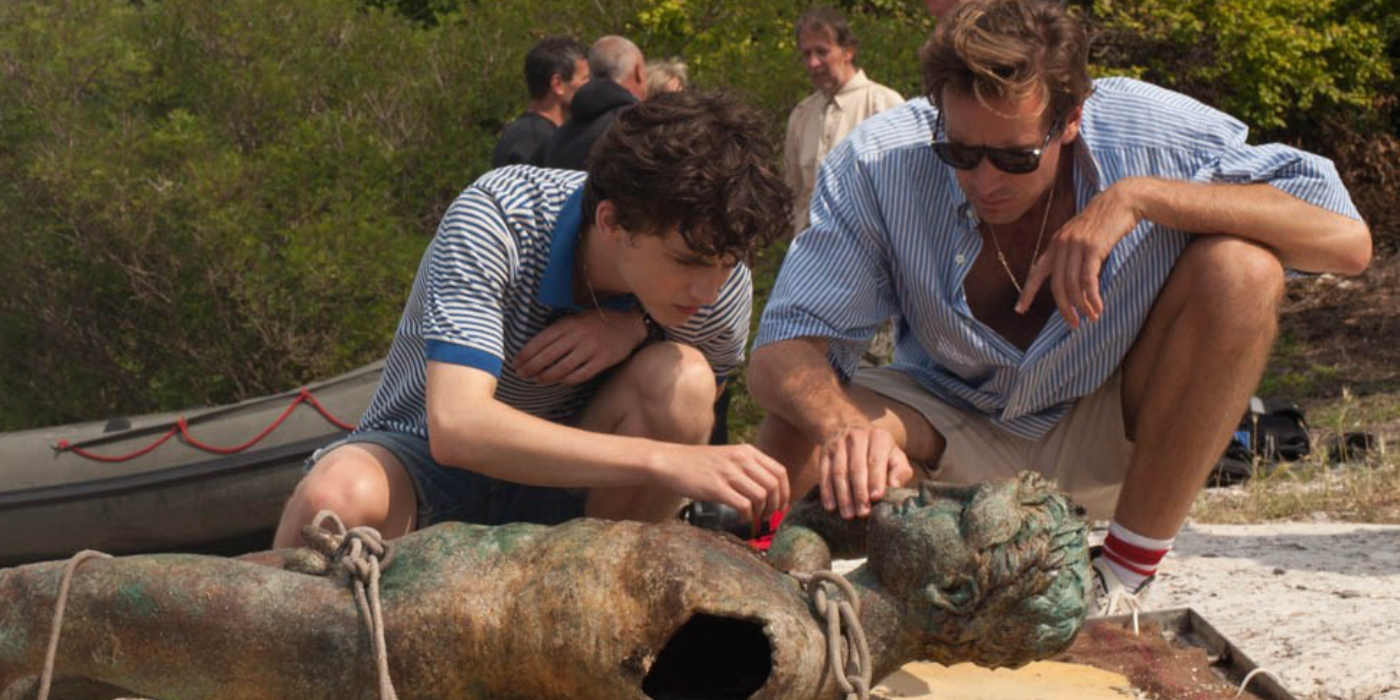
x: 1009, y: 48
x: 700, y: 161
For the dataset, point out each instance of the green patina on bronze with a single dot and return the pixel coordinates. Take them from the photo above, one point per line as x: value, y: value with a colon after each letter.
x: 134, y: 599
x: 14, y: 639
x: 584, y: 610
x: 997, y: 572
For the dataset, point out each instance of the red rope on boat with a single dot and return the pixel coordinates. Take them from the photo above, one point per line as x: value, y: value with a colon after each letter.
x: 63, y: 446
x: 183, y: 428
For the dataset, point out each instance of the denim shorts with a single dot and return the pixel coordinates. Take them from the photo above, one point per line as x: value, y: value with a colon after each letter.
x: 450, y: 494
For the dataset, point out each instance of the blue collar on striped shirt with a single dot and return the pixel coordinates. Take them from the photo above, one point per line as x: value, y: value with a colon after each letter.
x: 557, y: 283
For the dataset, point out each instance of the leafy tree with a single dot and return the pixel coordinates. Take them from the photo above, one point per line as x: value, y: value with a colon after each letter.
x: 204, y: 200
x: 1272, y: 63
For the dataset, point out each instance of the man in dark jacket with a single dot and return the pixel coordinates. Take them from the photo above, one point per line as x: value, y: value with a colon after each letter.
x: 555, y: 69
x: 619, y: 81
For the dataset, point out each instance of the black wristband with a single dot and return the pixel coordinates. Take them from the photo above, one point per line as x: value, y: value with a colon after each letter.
x: 655, y: 333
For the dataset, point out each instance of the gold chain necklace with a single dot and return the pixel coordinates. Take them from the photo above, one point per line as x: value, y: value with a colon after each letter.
x: 583, y: 259
x: 1050, y: 199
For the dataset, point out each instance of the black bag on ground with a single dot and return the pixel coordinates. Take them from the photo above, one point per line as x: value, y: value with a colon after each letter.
x: 1278, y: 430
x: 1271, y: 431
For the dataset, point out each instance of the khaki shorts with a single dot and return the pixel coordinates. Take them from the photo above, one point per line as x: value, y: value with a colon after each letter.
x: 1087, y: 453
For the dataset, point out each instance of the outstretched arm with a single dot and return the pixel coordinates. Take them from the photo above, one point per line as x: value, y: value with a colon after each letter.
x: 469, y: 428
x: 831, y: 296
x: 1304, y: 236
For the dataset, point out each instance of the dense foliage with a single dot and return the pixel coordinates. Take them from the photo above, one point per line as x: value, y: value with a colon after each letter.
x: 205, y: 201
x: 1272, y: 63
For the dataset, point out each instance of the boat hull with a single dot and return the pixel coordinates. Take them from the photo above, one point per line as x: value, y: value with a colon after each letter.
x: 177, y: 497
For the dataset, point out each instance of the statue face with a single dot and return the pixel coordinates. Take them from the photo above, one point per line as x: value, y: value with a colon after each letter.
x: 918, y: 548
x: 998, y: 570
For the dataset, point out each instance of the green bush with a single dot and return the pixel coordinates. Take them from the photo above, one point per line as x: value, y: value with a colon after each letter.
x: 1273, y: 63
x: 206, y: 201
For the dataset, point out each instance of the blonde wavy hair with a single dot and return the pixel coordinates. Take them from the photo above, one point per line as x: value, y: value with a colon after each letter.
x: 1009, y: 49
x: 670, y: 75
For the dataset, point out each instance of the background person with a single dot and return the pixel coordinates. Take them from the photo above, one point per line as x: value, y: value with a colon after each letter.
x: 670, y: 75
x: 618, y: 81
x: 842, y: 98
x: 555, y: 68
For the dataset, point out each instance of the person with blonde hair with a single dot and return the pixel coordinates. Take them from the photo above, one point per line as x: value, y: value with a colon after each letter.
x: 1086, y: 273
x: 670, y: 75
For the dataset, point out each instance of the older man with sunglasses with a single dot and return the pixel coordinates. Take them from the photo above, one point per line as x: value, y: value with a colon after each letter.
x: 1086, y: 274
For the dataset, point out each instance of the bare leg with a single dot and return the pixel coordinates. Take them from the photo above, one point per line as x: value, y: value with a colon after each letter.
x: 665, y: 392
x: 911, y: 431
x: 362, y: 483
x: 1190, y: 373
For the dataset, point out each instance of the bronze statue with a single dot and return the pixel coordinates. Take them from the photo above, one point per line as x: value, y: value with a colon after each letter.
x: 588, y: 609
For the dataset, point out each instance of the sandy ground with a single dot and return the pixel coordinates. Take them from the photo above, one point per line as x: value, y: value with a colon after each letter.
x: 1317, y: 603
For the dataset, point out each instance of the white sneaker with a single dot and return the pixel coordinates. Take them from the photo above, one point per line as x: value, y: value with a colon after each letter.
x: 1111, y: 597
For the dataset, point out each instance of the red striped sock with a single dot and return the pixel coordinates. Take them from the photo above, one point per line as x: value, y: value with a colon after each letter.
x: 1133, y: 557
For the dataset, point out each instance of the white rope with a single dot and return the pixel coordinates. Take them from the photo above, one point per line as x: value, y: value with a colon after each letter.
x: 363, y: 553
x: 65, y: 583
x: 847, y: 651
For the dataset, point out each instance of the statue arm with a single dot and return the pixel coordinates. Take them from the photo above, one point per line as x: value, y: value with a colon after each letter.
x: 810, y: 537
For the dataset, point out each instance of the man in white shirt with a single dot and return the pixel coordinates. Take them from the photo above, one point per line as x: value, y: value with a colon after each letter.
x: 844, y: 97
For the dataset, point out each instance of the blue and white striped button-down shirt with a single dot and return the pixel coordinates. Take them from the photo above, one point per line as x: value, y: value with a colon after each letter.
x: 893, y: 235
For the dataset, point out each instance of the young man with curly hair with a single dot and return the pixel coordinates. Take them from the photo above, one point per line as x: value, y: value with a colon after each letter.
x: 566, y: 336
x: 1086, y: 274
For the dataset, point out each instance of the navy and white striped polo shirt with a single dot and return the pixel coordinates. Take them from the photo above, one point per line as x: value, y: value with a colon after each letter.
x: 499, y: 271
x: 893, y: 235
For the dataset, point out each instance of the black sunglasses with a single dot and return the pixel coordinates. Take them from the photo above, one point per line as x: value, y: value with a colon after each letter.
x: 1017, y: 161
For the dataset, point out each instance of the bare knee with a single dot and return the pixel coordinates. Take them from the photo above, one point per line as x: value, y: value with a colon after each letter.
x: 362, y: 483
x: 682, y: 375
x: 348, y: 481
x: 1233, y: 275
x: 778, y: 438
x: 676, y: 391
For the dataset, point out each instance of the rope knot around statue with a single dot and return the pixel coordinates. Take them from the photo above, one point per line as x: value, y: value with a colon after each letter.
x: 356, y: 551
x: 848, y: 652
x: 362, y: 554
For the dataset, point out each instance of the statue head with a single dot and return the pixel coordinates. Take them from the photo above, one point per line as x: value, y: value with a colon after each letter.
x: 996, y: 573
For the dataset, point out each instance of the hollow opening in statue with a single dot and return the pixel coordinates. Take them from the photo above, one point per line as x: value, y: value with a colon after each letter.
x: 711, y: 657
